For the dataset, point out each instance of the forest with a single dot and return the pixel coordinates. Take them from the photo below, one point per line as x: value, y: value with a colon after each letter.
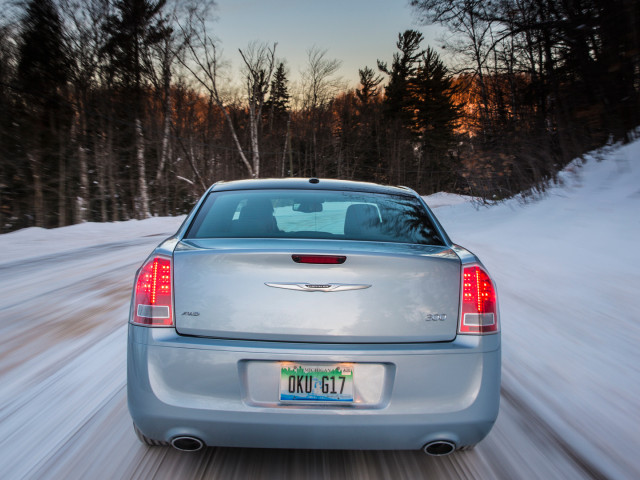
x: 119, y: 109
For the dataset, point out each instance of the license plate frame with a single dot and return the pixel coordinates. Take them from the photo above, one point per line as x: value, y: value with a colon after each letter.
x: 326, y: 383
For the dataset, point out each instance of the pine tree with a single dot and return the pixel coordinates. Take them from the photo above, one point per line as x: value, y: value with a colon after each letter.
x: 432, y: 116
x: 402, y: 69
x: 278, y: 103
x: 369, y: 82
x: 429, y: 106
x: 278, y: 120
x: 135, y: 27
x: 43, y: 67
x: 399, y: 148
x: 366, y: 162
x: 42, y: 74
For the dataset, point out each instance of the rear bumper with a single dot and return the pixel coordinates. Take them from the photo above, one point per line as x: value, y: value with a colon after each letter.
x: 226, y: 392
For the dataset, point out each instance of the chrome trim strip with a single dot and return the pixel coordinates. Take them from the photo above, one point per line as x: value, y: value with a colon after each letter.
x: 318, y: 287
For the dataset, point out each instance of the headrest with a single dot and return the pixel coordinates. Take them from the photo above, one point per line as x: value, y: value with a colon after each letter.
x: 361, y: 218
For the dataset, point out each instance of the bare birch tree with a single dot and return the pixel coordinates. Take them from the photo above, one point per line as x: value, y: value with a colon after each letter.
x: 319, y: 85
x: 134, y: 27
x: 319, y: 82
x: 205, y: 64
x: 85, y: 42
x: 259, y: 60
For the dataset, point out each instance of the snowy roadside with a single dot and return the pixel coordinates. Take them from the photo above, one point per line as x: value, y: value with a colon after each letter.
x: 36, y: 242
x: 566, y: 267
x: 567, y: 272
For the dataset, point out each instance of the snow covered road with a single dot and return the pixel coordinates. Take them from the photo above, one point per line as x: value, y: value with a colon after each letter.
x: 63, y: 402
x: 567, y: 273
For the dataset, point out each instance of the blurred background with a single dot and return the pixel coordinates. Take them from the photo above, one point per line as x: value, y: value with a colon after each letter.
x: 124, y: 109
x: 517, y: 120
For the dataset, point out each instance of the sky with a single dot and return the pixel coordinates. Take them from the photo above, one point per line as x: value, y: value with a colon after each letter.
x: 357, y: 32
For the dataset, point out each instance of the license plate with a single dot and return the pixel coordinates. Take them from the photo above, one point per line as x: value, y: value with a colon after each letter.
x: 316, y: 383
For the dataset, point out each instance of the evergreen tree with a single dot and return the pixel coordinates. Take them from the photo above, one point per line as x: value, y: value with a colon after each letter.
x: 43, y: 67
x: 132, y: 30
x: 432, y: 117
x: 367, y: 163
x: 42, y: 74
x: 277, y: 117
x: 369, y: 82
x: 11, y: 200
x: 135, y: 27
x: 278, y: 103
x: 398, y: 140
x: 402, y: 69
x: 429, y: 107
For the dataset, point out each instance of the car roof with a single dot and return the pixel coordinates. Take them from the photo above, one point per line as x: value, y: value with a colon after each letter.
x: 309, y: 184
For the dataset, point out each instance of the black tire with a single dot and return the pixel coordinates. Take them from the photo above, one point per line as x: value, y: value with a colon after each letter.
x: 466, y: 448
x: 150, y: 442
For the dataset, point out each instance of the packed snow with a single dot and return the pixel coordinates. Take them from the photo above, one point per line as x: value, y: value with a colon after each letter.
x: 34, y: 242
x: 567, y: 269
x: 568, y: 278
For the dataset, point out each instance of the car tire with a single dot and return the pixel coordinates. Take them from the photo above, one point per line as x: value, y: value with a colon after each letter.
x: 150, y: 442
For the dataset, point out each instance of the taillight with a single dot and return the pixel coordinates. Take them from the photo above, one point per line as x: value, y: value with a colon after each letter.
x: 152, y: 302
x: 479, y: 312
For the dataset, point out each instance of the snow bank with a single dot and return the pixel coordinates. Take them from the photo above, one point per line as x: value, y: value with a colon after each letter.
x: 35, y: 242
x: 568, y: 273
x: 443, y: 199
x: 567, y: 268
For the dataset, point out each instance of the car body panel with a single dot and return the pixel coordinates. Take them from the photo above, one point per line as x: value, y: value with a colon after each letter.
x: 222, y: 289
x: 225, y: 392
x: 215, y: 375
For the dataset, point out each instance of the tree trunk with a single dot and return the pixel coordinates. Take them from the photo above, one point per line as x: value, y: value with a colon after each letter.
x: 191, y: 157
x: 287, y: 146
x: 143, y: 207
x: 164, y: 149
x: 62, y: 184
x: 38, y: 196
x: 82, y: 203
x: 236, y: 141
x: 166, y: 129
x: 159, y: 184
x: 255, y: 150
x: 110, y: 172
x: 101, y: 160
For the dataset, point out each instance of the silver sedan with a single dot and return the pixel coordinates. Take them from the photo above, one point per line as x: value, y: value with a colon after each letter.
x: 307, y: 313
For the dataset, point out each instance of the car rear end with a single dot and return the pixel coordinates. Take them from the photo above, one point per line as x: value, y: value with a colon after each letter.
x: 328, y: 315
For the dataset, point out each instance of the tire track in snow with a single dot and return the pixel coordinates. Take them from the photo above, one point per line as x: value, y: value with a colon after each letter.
x: 37, y: 262
x: 68, y: 404
x: 547, y: 437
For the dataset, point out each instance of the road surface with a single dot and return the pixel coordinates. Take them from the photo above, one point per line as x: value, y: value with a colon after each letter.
x: 63, y: 411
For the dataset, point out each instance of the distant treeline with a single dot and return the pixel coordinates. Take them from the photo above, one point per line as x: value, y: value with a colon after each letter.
x: 111, y: 110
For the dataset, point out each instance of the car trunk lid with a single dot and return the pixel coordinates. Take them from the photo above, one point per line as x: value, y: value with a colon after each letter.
x: 253, y: 289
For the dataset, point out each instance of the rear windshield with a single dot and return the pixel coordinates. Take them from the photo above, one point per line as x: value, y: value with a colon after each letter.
x: 314, y: 214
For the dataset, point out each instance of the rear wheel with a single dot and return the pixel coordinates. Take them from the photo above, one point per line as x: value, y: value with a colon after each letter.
x: 150, y: 442
x: 466, y: 448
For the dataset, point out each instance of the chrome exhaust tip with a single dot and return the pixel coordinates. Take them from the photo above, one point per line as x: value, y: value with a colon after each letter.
x: 187, y: 444
x: 439, y: 448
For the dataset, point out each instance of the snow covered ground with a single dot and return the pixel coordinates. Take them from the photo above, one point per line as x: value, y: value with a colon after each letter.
x: 568, y: 273
x: 35, y: 242
x: 567, y: 268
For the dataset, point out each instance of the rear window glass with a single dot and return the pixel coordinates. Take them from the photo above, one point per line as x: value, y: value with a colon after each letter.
x: 314, y: 214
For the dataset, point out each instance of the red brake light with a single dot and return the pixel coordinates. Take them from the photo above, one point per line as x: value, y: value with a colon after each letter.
x: 322, y: 259
x: 479, y: 312
x: 152, y: 302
